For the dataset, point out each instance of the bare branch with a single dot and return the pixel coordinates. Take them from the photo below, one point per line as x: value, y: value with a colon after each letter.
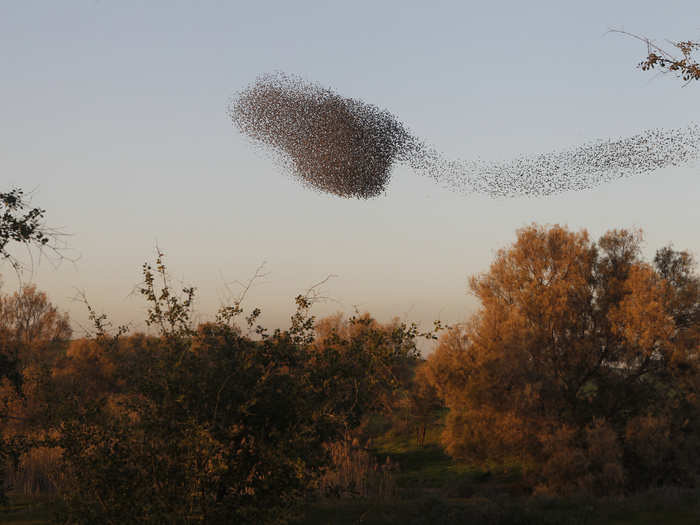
x: 247, y: 285
x: 313, y: 294
x: 231, y: 307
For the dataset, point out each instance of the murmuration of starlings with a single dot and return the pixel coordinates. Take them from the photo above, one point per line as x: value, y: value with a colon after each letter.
x: 347, y: 147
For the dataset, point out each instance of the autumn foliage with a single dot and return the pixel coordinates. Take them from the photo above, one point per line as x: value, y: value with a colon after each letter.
x: 217, y: 423
x: 579, y: 370
x: 580, y: 366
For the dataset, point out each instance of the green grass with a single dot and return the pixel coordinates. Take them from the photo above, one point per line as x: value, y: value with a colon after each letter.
x: 436, y: 490
x: 427, y: 466
x: 430, y: 470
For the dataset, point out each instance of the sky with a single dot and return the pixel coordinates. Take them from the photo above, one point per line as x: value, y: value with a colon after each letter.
x: 114, y: 118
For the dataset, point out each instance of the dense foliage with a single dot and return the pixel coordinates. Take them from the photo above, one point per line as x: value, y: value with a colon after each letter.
x: 581, y: 365
x: 199, y: 424
x: 580, y: 370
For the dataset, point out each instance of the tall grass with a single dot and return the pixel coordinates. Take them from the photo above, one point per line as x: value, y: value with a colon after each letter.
x: 37, y: 472
x: 356, y: 473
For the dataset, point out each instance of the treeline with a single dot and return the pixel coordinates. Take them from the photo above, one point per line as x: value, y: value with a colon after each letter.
x: 222, y: 423
x: 580, y: 368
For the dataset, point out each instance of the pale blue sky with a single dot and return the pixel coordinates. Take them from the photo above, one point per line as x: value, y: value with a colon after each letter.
x: 115, y: 114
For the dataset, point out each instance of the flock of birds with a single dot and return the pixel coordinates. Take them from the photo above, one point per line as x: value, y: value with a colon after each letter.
x: 347, y: 147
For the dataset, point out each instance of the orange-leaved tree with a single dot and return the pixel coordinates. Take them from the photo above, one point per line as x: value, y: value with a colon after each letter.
x: 31, y: 328
x: 575, y: 362
x: 33, y: 336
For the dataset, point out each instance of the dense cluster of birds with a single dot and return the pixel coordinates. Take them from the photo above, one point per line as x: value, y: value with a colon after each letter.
x: 347, y: 147
x: 334, y: 144
x: 579, y: 168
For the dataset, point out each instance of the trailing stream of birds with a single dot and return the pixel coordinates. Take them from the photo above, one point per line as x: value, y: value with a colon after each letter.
x: 347, y: 147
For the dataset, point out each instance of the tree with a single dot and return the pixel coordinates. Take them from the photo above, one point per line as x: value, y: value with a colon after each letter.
x: 192, y: 425
x: 216, y: 428
x: 31, y: 328
x: 685, y: 65
x: 23, y: 314
x: 33, y: 336
x: 570, y: 365
x: 19, y: 223
x: 362, y: 365
x: 24, y: 225
x: 206, y: 424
